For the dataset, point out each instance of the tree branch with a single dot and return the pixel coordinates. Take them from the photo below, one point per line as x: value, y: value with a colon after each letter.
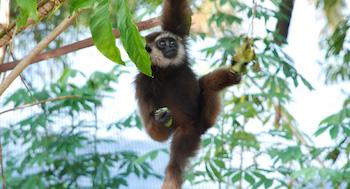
x: 282, y: 26
x: 43, y: 10
x: 41, y: 102
x: 41, y: 46
x: 144, y: 25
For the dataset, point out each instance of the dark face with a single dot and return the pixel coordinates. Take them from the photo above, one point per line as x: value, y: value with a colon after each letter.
x: 165, y: 49
x: 168, y: 46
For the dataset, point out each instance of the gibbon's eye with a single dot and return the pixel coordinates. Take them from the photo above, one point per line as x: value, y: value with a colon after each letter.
x: 161, y: 43
x: 148, y: 49
x: 172, y: 43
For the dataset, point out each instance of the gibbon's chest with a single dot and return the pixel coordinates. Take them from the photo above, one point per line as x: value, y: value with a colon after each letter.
x: 180, y: 94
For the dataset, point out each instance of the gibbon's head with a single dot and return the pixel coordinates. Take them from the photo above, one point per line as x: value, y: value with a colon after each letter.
x: 165, y: 49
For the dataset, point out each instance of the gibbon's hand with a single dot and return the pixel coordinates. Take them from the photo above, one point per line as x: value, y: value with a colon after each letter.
x: 163, y: 115
x: 239, y: 67
x: 243, y: 55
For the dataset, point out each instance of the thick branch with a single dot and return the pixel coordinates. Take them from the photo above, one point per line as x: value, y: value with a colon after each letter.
x: 144, y: 25
x: 43, y: 11
x: 40, y: 47
x: 282, y: 27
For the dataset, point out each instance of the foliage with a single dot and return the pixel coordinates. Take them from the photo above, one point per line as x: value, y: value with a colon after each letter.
x: 337, y: 69
x: 234, y: 155
x: 100, y: 20
x: 60, y: 147
x: 338, y: 53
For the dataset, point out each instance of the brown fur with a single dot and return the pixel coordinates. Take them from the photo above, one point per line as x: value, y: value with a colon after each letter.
x: 176, y: 17
x: 194, y: 104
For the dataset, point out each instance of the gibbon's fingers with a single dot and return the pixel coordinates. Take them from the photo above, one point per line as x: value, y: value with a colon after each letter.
x: 163, y: 116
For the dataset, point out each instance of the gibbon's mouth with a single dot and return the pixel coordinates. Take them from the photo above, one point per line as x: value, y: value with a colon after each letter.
x: 170, y: 53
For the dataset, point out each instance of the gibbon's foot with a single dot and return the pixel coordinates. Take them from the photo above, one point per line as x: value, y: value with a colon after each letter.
x: 163, y: 116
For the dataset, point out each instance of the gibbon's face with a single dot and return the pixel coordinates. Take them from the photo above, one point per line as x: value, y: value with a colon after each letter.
x: 165, y: 49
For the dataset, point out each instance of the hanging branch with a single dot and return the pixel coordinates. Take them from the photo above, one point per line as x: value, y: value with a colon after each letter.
x: 40, y: 47
x: 144, y: 25
x: 44, y: 10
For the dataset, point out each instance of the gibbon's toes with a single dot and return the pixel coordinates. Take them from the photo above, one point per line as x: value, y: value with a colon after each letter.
x: 163, y: 115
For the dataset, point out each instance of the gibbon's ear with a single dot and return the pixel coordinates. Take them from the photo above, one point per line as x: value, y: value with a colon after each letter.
x: 176, y: 17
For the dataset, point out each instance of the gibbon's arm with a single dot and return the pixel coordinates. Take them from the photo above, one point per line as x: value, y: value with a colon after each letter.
x: 157, y: 130
x: 211, y: 84
x: 176, y: 17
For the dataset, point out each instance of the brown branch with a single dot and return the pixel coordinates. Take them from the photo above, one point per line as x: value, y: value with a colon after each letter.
x: 144, y: 25
x: 40, y: 47
x: 41, y: 102
x: 282, y: 26
x: 43, y: 11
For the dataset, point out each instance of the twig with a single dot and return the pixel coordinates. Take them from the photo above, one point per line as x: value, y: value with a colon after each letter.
x: 41, y: 102
x: 23, y: 79
x: 41, y: 46
x: 250, y: 32
x: 144, y: 25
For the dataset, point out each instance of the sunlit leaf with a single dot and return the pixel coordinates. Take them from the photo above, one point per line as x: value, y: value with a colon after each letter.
x: 133, y: 42
x: 28, y: 9
x: 75, y: 5
x: 101, y: 30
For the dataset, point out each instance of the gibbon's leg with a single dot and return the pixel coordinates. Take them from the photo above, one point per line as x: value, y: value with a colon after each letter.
x: 155, y: 122
x: 186, y: 141
x: 210, y: 86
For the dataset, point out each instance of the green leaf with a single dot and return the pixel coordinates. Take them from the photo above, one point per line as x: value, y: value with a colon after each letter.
x: 249, y: 178
x: 152, y: 155
x: 133, y: 42
x: 102, y: 35
x: 237, y: 177
x: 334, y: 132
x: 75, y: 5
x: 321, y: 130
x: 306, y: 83
x: 215, y: 171
x: 220, y: 163
x: 346, y: 130
x: 209, y: 172
x: 268, y: 183
x: 28, y: 9
x: 308, y: 173
x: 206, y: 142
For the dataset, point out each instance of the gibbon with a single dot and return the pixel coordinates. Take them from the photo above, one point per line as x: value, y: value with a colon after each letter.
x: 174, y: 102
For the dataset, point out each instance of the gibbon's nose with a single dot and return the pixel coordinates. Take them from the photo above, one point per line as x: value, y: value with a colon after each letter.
x: 148, y: 49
